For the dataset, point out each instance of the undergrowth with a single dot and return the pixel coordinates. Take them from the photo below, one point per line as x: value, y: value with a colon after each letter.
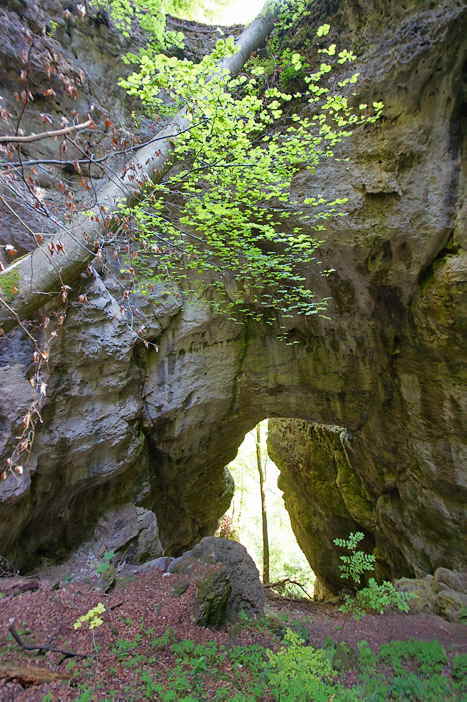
x: 285, y: 668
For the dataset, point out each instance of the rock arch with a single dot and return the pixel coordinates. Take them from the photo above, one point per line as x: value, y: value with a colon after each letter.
x: 125, y: 424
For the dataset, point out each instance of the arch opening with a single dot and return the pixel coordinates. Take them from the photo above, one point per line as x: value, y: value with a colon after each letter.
x: 257, y: 517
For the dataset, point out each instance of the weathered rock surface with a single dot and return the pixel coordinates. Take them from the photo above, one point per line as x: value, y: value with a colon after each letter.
x: 445, y: 593
x: 323, y: 494
x: 128, y: 532
x: 373, y: 397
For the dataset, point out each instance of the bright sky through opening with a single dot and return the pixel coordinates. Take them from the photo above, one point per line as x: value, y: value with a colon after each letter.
x: 237, y: 12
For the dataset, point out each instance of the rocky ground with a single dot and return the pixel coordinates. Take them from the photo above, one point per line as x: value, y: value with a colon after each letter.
x: 142, y: 648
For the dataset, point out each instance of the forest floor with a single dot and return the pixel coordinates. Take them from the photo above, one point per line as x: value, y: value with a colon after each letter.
x: 147, y: 648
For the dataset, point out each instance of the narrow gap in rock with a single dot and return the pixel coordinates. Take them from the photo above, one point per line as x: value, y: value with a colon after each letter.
x: 243, y: 521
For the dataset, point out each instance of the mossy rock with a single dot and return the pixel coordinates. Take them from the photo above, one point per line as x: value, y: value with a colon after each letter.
x: 450, y: 604
x: 212, y: 595
x: 423, y: 591
x: 180, y: 588
x: 9, y: 282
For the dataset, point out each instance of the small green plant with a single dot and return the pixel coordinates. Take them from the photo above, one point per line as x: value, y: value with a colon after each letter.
x: 459, y: 666
x: 299, y: 673
x: 165, y: 640
x: 429, y: 656
x: 52, y: 28
x: 366, y: 657
x: 375, y: 597
x: 123, y: 647
x: 149, y: 683
x: 85, y: 696
x: 355, y: 564
x: 106, y: 563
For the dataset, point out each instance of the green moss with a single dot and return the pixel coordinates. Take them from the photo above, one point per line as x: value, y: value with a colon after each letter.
x: 180, y: 589
x: 9, y: 282
x: 213, y: 593
x: 353, y: 494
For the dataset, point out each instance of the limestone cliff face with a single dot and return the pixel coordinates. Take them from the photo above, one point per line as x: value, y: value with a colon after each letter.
x: 371, y: 399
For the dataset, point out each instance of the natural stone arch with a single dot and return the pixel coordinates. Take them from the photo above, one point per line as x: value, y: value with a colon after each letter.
x: 155, y: 428
x: 225, y: 384
x: 208, y: 385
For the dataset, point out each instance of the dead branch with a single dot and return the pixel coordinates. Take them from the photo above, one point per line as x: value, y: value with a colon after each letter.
x: 89, y: 160
x: 41, y: 648
x: 287, y: 581
x: 45, y: 135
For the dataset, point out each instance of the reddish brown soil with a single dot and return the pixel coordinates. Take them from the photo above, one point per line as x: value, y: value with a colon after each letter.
x: 326, y: 621
x: 149, y: 602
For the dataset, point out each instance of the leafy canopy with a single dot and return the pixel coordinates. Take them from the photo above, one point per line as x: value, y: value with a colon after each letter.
x: 222, y: 224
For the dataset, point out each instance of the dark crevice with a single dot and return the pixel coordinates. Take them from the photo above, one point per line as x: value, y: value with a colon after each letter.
x: 456, y: 128
x: 451, y: 249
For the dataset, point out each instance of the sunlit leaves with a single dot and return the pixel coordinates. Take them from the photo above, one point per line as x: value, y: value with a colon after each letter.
x: 323, y: 30
x: 222, y: 223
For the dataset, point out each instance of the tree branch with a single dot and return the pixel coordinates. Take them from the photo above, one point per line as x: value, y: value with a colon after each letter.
x: 33, y: 275
x: 46, y: 135
x: 44, y: 647
x: 286, y: 581
x: 91, y: 159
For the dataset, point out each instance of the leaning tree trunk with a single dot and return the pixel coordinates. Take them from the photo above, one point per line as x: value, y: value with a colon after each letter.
x: 30, y: 281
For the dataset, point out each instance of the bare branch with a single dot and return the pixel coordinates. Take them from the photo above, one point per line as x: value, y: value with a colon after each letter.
x: 286, y: 581
x: 33, y: 275
x: 46, y: 135
x: 44, y: 647
x: 90, y: 159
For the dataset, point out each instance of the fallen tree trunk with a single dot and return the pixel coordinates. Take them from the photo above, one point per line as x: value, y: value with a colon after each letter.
x: 27, y: 674
x: 32, y: 280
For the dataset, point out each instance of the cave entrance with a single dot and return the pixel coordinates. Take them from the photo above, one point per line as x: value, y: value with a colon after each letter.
x: 258, y: 499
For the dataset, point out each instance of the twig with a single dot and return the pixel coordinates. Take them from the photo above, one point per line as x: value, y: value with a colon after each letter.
x: 288, y: 581
x: 19, y: 321
x: 45, y: 135
x: 44, y: 647
x: 89, y: 160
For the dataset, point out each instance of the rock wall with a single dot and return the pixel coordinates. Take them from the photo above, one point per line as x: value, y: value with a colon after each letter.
x: 371, y: 397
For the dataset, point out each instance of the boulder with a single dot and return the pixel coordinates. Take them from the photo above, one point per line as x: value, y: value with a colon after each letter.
x: 450, y: 603
x: 454, y: 580
x: 424, y: 600
x: 443, y: 593
x: 161, y: 563
x: 231, y: 584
